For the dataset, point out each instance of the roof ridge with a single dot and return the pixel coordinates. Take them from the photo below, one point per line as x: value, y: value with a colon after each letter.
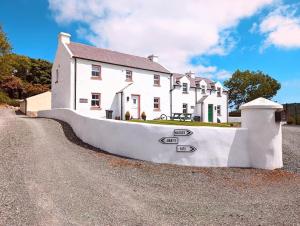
x: 109, y: 50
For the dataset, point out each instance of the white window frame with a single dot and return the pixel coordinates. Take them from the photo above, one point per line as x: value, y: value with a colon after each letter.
x: 219, y: 91
x: 128, y: 76
x: 219, y: 111
x: 184, y: 87
x: 156, y: 80
x: 96, y: 71
x: 156, y: 103
x: 96, y: 99
x: 185, y: 109
x: 203, y: 89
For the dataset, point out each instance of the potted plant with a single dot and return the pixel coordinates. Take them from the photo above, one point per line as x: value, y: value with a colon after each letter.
x: 144, y: 116
x: 127, y: 115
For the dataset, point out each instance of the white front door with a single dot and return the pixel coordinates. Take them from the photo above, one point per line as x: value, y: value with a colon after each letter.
x: 135, y: 106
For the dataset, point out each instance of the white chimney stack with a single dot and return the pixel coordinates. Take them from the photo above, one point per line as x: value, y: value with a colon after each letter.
x: 64, y: 38
x: 190, y: 74
x: 153, y: 58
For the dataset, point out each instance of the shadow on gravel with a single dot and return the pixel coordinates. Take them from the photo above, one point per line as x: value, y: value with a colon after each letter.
x: 71, y: 136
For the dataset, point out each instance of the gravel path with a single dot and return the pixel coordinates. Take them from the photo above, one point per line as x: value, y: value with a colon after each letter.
x: 49, y: 177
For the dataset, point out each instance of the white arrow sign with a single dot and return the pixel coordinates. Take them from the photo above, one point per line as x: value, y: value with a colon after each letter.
x: 182, y: 132
x: 169, y: 140
x: 185, y: 148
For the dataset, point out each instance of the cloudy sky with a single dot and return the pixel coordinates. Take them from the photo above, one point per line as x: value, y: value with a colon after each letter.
x: 212, y: 38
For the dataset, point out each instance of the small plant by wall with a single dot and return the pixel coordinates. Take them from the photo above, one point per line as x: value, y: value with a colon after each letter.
x: 127, y: 115
x: 144, y: 117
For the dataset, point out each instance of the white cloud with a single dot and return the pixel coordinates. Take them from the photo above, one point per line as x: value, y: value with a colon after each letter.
x: 282, y: 28
x: 174, y: 30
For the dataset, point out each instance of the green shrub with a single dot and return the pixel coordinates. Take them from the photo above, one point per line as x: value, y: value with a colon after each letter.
x: 4, y: 99
x: 144, y: 116
x: 127, y: 115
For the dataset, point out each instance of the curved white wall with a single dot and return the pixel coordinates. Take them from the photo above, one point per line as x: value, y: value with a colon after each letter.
x: 258, y: 144
x: 219, y: 147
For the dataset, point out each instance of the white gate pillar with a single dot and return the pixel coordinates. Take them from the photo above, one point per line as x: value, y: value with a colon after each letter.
x: 264, y: 134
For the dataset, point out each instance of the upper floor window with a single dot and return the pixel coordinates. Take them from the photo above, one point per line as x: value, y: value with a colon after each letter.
x: 197, y: 84
x: 218, y: 110
x: 184, y: 108
x: 219, y: 91
x: 96, y: 100
x: 156, y: 80
x: 156, y: 103
x: 203, y: 90
x: 128, y: 76
x: 184, y: 87
x: 57, y: 75
x: 96, y: 71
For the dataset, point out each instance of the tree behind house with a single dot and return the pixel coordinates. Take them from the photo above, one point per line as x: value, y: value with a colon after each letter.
x: 245, y: 86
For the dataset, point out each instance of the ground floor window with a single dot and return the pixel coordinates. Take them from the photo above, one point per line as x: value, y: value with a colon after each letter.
x: 156, y: 103
x: 219, y: 110
x: 95, y: 101
x: 184, y: 108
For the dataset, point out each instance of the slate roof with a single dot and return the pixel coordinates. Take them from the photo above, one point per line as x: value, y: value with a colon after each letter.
x: 113, y: 57
x: 177, y: 77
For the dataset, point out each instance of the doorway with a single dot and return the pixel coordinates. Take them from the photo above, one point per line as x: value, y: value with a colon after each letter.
x: 135, y: 106
x: 210, y: 113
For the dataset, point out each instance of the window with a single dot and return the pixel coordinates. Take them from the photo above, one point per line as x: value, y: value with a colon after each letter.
x: 156, y: 80
x: 203, y: 90
x: 95, y: 101
x: 218, y: 110
x: 219, y: 91
x: 156, y: 103
x: 96, y: 71
x: 197, y: 84
x: 57, y: 74
x: 184, y: 108
x: 128, y: 76
x: 184, y: 87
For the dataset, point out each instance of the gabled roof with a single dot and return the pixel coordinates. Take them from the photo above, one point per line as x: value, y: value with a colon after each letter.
x: 113, y: 57
x: 210, y: 83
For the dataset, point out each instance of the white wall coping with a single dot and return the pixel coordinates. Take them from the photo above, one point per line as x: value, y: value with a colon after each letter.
x: 261, y: 103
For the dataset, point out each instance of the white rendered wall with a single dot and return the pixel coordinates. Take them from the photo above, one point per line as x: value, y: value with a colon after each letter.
x: 113, y: 80
x: 62, y: 90
x: 218, y: 147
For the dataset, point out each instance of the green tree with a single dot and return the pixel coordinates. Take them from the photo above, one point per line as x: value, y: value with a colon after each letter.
x: 5, y: 50
x: 245, y: 86
x: 5, y: 47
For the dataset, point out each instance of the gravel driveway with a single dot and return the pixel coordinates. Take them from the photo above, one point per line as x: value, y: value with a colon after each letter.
x: 48, y: 177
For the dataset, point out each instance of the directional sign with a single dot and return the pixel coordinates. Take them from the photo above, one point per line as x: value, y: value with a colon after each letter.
x: 185, y: 148
x: 182, y: 132
x: 169, y: 140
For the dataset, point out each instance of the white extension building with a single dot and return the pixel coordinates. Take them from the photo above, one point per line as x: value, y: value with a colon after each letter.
x: 92, y: 80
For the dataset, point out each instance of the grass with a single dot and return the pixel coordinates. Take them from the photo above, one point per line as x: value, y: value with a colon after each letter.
x: 186, y: 123
x: 4, y: 99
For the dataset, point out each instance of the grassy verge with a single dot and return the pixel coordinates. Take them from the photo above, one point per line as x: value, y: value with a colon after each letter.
x: 4, y: 99
x: 187, y: 123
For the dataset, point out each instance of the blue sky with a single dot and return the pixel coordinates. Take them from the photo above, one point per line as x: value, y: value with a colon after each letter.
x: 263, y: 36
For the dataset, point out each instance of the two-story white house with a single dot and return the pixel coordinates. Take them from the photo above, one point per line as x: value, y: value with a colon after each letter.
x: 92, y: 80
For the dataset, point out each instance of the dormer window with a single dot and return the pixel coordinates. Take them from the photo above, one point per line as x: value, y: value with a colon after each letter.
x: 219, y: 91
x: 184, y: 88
x: 96, y: 72
x: 197, y: 84
x: 128, y: 76
x: 156, y: 79
x: 203, y: 90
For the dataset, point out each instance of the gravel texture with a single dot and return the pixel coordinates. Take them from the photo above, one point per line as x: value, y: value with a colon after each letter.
x: 49, y: 177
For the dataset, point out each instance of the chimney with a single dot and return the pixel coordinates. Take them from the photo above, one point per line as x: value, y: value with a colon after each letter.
x: 64, y: 38
x: 153, y: 58
x: 190, y: 74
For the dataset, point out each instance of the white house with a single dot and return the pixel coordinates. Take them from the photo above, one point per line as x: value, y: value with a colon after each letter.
x: 92, y: 80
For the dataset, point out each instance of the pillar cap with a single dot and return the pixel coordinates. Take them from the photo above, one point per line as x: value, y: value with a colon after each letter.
x: 261, y: 103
